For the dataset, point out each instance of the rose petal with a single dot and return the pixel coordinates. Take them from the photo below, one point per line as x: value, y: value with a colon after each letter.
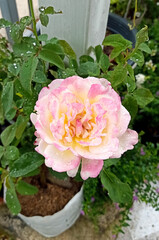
x: 96, y: 90
x: 91, y: 168
x: 77, y: 85
x: 123, y: 120
x: 60, y: 161
x: 55, y: 83
x: 102, y: 151
x: 44, y: 133
x: 33, y: 118
x: 42, y: 145
x: 81, y: 118
x: 126, y: 142
x: 44, y: 92
x: 73, y: 172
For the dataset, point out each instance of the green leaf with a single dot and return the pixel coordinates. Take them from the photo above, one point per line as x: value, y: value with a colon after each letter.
x: 67, y: 49
x: 26, y: 73
x: 25, y: 164
x: 25, y: 188
x: 119, y: 43
x: 20, y: 49
x: 14, y: 68
x: 49, y: 10
x: 116, y: 52
x: 73, y: 64
x: 119, y: 75
x: 29, y: 104
x: 141, y: 36
x: 110, y: 162
x: 98, y: 52
x: 12, y: 201
x: 58, y: 175
x: 53, y: 40
x: 8, y: 134
x: 26, y: 48
x: 1, y: 107
x: 25, y: 21
x: 54, y: 48
x: 68, y: 72
x: 44, y: 19
x: 51, y: 57
x: 4, y: 162
x: 143, y: 96
x: 130, y: 71
x: 43, y: 37
x: 108, y: 75
x: 145, y: 48
x: 4, y: 174
x: 138, y: 57
x: 2, y: 150
x: 19, y: 90
x: 16, y: 33
x: 39, y: 77
x: 118, y: 191
x: 130, y: 104
x: 7, y: 96
x: 130, y: 83
x: 88, y: 69
x: 120, y: 59
x: 4, y: 23
x: 11, y: 113
x: 85, y: 58
x: 33, y: 173
x: 21, y: 124
x: 116, y: 40
x: 19, y: 103
x: 104, y: 62
x: 11, y: 153
x: 53, y: 73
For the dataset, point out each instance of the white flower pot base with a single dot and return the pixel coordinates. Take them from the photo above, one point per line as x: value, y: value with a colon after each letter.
x: 53, y: 225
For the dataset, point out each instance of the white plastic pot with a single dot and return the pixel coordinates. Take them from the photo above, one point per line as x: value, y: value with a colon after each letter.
x: 53, y: 225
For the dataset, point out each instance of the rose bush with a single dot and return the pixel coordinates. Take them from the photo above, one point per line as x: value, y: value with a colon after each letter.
x: 78, y: 120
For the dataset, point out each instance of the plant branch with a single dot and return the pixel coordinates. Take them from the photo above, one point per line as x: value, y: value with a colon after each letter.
x: 43, y: 176
x: 139, y: 20
x: 127, y: 9
x: 134, y: 18
x: 33, y: 16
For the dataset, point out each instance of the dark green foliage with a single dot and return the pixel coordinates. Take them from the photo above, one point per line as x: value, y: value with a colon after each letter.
x: 94, y: 198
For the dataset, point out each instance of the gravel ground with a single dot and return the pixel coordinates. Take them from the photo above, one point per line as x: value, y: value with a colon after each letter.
x: 82, y: 229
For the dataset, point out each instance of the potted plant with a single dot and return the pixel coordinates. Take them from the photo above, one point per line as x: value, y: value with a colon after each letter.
x: 71, y: 114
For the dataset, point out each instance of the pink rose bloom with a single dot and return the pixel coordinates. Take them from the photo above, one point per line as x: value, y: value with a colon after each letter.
x: 81, y: 121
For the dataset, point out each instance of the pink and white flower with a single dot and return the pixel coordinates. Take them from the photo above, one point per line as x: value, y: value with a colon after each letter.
x: 81, y: 121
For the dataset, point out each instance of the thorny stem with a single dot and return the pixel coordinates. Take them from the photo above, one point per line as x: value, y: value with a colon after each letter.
x: 33, y: 16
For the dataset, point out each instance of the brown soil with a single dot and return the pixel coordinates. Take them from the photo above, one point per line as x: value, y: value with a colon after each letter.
x: 48, y: 200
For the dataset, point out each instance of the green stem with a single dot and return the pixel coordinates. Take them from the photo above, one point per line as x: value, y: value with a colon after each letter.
x: 134, y: 23
x: 44, y: 68
x: 131, y: 54
x: 33, y: 16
